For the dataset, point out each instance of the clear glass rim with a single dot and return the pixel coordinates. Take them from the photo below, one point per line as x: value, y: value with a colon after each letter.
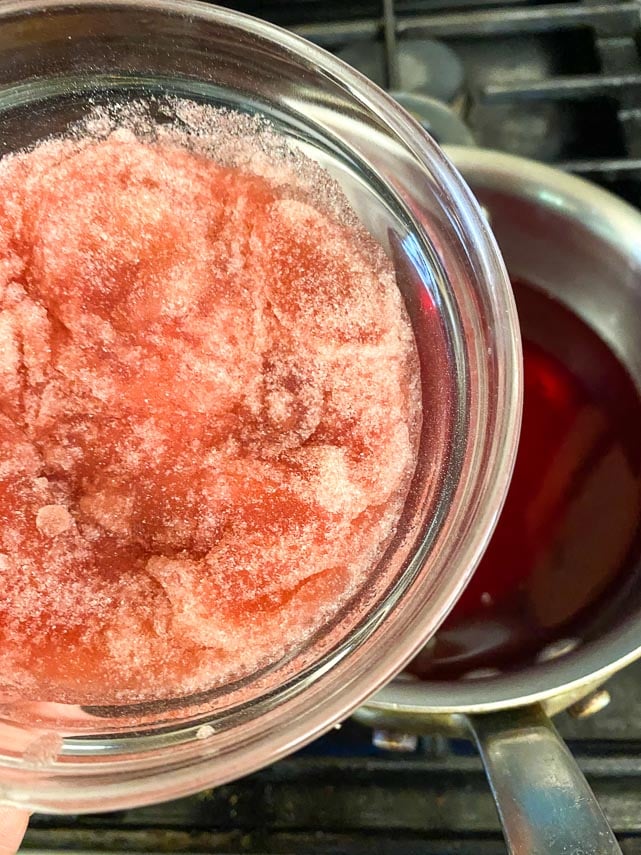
x: 490, y: 454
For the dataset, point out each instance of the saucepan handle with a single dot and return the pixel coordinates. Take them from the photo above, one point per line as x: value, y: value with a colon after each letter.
x: 545, y: 803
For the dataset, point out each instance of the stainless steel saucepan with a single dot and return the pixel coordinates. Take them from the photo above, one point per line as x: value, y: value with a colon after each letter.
x: 582, y: 245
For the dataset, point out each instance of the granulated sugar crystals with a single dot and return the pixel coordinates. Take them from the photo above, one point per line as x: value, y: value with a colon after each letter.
x: 208, y: 406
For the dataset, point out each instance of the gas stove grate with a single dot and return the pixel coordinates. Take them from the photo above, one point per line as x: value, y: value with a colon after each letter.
x: 558, y: 82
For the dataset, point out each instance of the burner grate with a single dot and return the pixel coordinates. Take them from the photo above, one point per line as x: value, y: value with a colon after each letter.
x: 556, y: 82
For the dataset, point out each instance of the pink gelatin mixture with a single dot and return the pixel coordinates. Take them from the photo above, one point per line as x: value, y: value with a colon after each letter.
x: 209, y: 412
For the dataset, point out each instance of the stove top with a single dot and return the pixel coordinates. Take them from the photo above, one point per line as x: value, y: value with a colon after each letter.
x: 343, y: 796
x: 555, y: 81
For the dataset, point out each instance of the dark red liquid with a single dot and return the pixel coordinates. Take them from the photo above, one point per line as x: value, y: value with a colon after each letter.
x: 567, y: 537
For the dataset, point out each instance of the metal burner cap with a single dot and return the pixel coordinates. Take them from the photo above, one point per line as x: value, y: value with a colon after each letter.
x: 424, y: 65
x: 438, y: 120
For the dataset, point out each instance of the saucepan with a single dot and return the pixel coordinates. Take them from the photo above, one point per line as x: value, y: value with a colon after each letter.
x: 582, y: 246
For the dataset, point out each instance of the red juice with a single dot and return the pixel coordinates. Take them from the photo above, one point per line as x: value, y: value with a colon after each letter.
x: 565, y: 539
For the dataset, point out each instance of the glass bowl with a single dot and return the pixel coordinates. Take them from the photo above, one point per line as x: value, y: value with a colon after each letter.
x: 59, y: 58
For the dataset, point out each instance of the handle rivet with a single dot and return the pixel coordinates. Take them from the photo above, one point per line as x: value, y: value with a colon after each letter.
x: 590, y: 705
x: 390, y: 740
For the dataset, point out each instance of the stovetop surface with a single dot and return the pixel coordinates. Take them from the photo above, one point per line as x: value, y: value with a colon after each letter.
x: 555, y: 81
x: 342, y: 796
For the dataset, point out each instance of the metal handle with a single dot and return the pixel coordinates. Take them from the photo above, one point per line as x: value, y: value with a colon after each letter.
x: 545, y: 803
